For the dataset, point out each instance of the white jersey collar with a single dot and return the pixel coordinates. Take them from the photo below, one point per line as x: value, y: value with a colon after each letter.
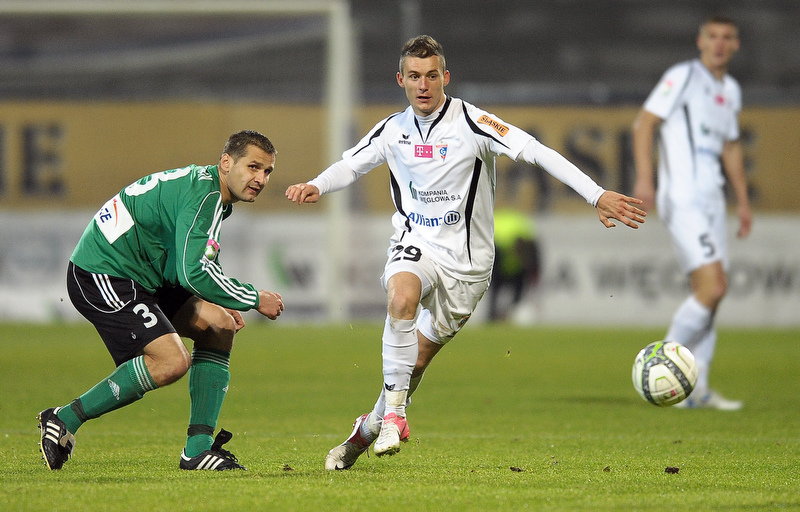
x: 426, y: 120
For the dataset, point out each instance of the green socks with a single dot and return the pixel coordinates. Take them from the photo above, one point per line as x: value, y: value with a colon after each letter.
x: 128, y: 383
x: 208, y: 384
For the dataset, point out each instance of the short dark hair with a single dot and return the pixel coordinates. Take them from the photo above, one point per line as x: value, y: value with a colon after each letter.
x: 720, y: 20
x: 422, y: 47
x: 236, y: 146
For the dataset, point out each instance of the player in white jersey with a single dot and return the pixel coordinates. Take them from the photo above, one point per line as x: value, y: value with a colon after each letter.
x: 440, y: 152
x: 694, y: 109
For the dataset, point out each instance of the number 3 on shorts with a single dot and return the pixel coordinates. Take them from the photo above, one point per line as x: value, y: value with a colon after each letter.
x: 408, y: 252
x: 150, y: 318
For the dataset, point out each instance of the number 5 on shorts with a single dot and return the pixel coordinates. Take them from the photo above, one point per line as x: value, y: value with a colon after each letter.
x: 708, y: 245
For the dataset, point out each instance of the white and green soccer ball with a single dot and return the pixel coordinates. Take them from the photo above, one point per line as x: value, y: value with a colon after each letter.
x: 664, y: 373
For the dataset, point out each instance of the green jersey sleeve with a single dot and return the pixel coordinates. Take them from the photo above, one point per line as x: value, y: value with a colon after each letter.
x: 197, y: 242
x: 163, y: 230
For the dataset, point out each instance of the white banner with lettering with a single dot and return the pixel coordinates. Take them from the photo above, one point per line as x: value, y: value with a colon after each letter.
x: 591, y: 275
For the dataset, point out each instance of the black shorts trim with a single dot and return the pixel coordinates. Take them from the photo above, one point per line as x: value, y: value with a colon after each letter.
x: 126, y: 315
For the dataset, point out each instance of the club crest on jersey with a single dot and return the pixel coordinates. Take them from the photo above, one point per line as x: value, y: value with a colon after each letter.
x: 441, y: 150
x: 499, y: 127
x: 212, y: 249
x: 423, y: 151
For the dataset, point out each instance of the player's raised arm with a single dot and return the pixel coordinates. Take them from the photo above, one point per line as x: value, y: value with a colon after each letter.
x: 336, y: 177
x: 609, y: 204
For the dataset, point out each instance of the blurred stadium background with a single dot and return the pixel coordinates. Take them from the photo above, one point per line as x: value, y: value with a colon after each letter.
x: 94, y: 95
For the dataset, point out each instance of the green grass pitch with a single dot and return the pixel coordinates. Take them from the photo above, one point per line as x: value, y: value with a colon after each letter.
x: 506, y: 419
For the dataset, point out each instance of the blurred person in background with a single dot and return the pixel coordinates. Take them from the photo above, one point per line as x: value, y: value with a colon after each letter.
x: 693, y: 113
x: 517, y: 262
x: 441, y: 155
x: 146, y: 272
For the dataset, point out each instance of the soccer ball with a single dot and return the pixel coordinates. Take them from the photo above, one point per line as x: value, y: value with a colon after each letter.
x: 664, y: 373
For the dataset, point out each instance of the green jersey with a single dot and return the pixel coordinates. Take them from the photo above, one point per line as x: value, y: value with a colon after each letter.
x: 164, y: 230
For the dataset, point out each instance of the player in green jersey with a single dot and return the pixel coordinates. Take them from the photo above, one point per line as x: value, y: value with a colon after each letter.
x: 146, y: 272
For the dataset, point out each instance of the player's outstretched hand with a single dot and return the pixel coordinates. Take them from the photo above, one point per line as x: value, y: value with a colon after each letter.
x: 302, y: 193
x: 613, y: 205
x: 270, y: 304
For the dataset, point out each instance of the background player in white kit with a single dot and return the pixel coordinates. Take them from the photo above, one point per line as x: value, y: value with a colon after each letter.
x: 440, y: 152
x: 694, y: 108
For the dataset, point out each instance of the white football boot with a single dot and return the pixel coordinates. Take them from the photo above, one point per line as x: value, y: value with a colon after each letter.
x: 346, y: 454
x: 711, y: 400
x: 394, y: 430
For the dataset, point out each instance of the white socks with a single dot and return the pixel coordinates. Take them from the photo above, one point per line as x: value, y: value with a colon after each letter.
x: 379, y: 411
x: 395, y: 402
x: 400, y: 349
x: 693, y: 326
x: 703, y: 354
x: 690, y: 323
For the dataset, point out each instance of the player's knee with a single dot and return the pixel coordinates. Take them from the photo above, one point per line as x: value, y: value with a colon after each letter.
x: 718, y: 288
x: 722, y: 289
x: 216, y: 331
x: 403, y: 296
x: 718, y: 291
x: 180, y: 368
x: 224, y: 328
x: 172, y: 369
x: 403, y: 307
x: 713, y: 293
x: 166, y: 359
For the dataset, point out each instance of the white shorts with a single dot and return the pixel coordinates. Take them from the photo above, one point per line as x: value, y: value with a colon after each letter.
x: 447, y: 302
x: 698, y: 233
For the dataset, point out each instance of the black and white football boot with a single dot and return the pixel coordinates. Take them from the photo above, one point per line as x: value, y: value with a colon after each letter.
x: 216, y: 459
x: 56, y: 441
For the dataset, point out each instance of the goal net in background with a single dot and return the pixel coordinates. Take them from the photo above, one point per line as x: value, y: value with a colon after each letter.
x: 180, y: 76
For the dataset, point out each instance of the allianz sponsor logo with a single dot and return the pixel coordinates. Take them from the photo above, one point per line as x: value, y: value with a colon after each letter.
x: 432, y: 196
x: 449, y: 218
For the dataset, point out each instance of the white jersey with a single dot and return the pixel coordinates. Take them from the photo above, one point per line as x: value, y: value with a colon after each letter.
x: 442, y: 180
x: 700, y: 115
